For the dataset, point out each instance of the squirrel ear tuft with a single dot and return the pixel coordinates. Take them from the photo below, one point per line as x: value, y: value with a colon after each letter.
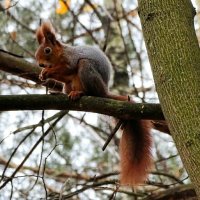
x: 39, y: 35
x: 48, y: 32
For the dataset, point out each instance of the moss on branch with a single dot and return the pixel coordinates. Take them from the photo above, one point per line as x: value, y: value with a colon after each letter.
x: 123, y: 110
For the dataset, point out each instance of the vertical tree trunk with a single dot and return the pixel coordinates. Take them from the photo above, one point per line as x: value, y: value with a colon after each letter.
x: 175, y: 59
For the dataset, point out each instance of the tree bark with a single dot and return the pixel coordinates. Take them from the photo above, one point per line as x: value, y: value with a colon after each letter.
x: 179, y: 192
x: 22, y: 68
x: 123, y: 110
x: 175, y: 59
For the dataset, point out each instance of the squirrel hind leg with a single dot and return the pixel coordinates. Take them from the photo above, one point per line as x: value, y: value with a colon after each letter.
x: 75, y: 95
x: 91, y: 79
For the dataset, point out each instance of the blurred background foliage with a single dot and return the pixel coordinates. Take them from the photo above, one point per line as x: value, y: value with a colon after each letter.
x: 69, y: 161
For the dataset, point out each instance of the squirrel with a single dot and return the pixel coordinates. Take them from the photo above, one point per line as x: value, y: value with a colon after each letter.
x: 85, y: 70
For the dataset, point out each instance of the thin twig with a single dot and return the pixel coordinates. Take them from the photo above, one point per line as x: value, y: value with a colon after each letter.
x: 41, y: 155
x: 6, y: 9
x: 38, y: 124
x: 31, y: 151
x: 12, y: 54
x: 84, y: 27
x: 13, y: 153
x: 112, y: 134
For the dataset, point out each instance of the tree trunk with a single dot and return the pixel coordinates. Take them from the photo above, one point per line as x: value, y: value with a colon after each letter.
x: 175, y: 59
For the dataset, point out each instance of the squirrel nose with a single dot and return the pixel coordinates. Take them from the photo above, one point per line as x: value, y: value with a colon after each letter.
x: 41, y: 65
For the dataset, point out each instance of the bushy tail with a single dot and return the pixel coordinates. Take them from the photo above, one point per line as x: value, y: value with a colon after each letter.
x: 135, y: 149
x: 135, y: 152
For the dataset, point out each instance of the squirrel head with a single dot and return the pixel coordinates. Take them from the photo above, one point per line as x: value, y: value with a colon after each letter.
x: 50, y: 49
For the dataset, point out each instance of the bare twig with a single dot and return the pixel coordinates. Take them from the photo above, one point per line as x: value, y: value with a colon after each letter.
x: 83, y: 26
x: 40, y: 124
x: 30, y: 152
x: 112, y: 134
x: 12, y: 54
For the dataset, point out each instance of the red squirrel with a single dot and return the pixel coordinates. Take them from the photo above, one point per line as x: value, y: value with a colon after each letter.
x: 85, y: 70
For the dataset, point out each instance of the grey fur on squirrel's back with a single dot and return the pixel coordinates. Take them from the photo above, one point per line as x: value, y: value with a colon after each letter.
x: 100, y: 60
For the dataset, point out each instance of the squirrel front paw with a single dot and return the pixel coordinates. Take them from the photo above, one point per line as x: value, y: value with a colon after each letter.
x: 44, y: 74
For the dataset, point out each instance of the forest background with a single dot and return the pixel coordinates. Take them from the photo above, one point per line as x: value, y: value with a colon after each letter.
x: 69, y: 162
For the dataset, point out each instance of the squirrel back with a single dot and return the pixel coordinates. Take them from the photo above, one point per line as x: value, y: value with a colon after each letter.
x: 85, y: 70
x: 101, y: 63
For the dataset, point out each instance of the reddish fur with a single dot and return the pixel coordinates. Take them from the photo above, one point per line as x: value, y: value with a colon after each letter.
x: 48, y: 31
x: 117, y: 97
x: 136, y: 142
x: 47, y: 28
x: 135, y: 152
x: 47, y: 38
x: 39, y: 35
x: 135, y: 149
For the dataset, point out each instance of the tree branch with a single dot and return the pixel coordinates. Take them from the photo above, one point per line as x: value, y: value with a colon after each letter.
x: 19, y: 67
x: 119, y: 109
x: 22, y: 68
x: 178, y: 193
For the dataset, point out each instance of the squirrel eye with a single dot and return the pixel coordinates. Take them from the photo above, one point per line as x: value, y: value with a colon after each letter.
x: 47, y: 50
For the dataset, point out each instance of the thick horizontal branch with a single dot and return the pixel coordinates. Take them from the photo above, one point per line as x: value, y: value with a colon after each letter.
x: 177, y: 192
x: 119, y: 109
x: 18, y: 66
x: 22, y: 68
